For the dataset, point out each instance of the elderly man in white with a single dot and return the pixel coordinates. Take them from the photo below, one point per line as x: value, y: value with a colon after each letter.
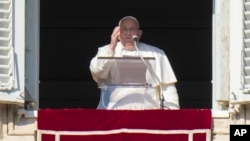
x: 161, y: 94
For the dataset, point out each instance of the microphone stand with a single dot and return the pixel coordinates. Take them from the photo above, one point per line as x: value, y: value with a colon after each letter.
x: 135, y: 39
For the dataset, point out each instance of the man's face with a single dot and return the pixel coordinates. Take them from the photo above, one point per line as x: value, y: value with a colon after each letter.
x: 129, y: 28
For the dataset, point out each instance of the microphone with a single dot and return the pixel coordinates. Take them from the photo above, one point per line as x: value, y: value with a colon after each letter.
x: 135, y: 38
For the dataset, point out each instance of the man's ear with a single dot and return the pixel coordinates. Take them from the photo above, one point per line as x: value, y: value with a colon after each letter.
x: 140, y: 33
x: 119, y: 38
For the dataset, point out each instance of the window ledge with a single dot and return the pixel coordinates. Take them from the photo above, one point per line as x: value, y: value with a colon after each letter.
x: 220, y: 114
x: 234, y: 102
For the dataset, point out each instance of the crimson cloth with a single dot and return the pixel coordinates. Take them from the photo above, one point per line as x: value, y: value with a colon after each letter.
x: 105, y: 120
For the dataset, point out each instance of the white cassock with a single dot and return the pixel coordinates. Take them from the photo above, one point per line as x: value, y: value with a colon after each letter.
x: 135, y: 97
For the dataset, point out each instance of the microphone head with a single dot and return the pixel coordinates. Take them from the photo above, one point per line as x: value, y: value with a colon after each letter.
x: 135, y: 38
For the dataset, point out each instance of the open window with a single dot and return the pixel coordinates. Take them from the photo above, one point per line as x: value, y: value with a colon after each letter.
x: 246, y: 53
x: 239, y: 55
x: 6, y: 48
x: 11, y: 52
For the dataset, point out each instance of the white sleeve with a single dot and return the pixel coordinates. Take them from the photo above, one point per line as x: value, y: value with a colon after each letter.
x: 100, y: 68
x: 171, y: 99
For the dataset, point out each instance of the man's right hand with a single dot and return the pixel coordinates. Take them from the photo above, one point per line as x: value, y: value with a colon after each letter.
x: 114, y: 38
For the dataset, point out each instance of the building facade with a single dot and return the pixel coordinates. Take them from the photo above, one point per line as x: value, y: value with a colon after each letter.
x: 19, y: 67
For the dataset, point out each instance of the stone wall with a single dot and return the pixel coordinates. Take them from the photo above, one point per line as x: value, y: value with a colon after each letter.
x: 17, y: 124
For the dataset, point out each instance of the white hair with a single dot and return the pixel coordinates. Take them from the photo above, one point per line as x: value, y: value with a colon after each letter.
x: 129, y: 17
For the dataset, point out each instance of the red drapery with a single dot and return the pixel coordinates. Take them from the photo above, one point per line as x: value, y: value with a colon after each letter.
x: 124, y: 125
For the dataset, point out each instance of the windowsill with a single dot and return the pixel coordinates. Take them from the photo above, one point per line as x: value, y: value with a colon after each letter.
x: 220, y: 114
x: 247, y: 101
